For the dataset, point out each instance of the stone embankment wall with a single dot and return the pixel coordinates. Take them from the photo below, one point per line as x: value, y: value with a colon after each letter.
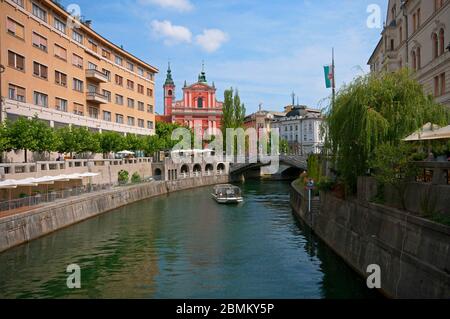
x: 23, y: 227
x: 413, y: 253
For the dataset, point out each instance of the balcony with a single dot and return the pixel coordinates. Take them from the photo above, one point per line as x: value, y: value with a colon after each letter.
x: 96, y: 76
x: 96, y: 98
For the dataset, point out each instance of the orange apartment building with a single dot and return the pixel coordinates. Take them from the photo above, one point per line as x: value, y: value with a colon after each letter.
x: 70, y: 75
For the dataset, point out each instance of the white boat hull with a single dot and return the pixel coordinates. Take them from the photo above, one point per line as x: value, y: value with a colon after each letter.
x: 227, y: 200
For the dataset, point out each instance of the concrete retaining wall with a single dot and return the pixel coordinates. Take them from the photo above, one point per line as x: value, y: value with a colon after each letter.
x: 23, y: 227
x: 413, y: 253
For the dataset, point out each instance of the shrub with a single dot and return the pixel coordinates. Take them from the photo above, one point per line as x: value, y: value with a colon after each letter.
x: 124, y: 177
x: 136, y: 178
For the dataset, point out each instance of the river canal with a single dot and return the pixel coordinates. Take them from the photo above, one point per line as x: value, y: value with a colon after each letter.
x: 185, y: 246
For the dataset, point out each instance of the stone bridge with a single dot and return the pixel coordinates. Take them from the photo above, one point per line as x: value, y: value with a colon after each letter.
x: 293, y: 161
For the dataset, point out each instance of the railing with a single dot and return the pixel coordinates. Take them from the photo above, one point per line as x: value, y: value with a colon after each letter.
x: 92, y: 73
x: 437, y: 173
x: 50, y: 197
x: 26, y: 168
x: 93, y: 95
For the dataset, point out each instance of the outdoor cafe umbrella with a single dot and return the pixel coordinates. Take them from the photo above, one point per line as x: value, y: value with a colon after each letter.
x: 125, y: 153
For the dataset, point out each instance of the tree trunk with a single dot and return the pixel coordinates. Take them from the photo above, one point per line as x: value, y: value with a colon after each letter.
x: 26, y: 156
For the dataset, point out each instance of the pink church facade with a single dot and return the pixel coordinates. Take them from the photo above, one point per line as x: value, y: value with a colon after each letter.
x: 199, y: 107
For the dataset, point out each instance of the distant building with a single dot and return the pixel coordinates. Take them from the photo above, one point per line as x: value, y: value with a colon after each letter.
x: 301, y: 128
x: 198, y: 108
x: 262, y: 119
x: 417, y: 36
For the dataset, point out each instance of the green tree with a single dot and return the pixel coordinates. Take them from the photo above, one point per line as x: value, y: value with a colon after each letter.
x: 111, y: 142
x: 85, y: 141
x: 21, y: 136
x: 46, y: 139
x: 5, y: 144
x: 233, y: 110
x: 374, y: 109
x: 393, y: 165
x: 67, y: 142
x: 284, y: 146
x: 133, y: 142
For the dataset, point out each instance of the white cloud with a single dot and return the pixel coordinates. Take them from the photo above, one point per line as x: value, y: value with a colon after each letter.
x: 179, y: 5
x: 172, y: 34
x: 211, y: 39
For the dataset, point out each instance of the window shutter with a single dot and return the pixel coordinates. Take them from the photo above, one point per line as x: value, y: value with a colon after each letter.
x: 11, y: 25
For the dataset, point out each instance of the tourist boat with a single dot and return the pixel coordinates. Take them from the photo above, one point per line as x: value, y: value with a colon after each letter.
x: 227, y: 194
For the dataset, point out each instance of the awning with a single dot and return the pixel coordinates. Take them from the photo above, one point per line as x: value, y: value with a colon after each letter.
x: 46, y: 180
x: 429, y: 132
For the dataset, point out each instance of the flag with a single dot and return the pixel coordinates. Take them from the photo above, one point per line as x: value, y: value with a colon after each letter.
x: 329, y: 76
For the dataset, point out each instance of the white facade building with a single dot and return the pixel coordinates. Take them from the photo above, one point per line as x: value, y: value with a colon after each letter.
x: 301, y: 128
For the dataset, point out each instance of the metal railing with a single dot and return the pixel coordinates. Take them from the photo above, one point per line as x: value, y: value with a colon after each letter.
x: 50, y: 197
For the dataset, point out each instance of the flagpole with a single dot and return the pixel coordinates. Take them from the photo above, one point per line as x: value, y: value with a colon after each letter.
x: 333, y: 85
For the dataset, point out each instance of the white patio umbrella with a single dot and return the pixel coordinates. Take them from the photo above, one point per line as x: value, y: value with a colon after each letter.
x: 126, y: 153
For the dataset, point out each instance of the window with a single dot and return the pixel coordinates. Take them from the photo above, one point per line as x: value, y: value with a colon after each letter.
x: 441, y: 42
x: 119, y: 99
x: 107, y: 94
x: 436, y: 86
x: 106, y: 54
x: 78, y: 109
x: 77, y: 61
x: 107, y: 73
x: 78, y: 37
x: 401, y: 34
x: 119, y: 80
x: 149, y: 92
x: 414, y: 22
x: 149, y: 76
x: 93, y: 112
x: 14, y: 28
x: 150, y: 108
x: 130, y: 121
x: 438, y: 4
x: 414, y: 60
x: 141, y: 106
x: 130, y: 103
x: 419, y: 58
x: 130, y: 85
x: 40, y: 70
x: 130, y: 66
x: 418, y: 18
x: 150, y: 125
x: 435, y: 40
x: 92, y: 88
x: 141, y: 123
x: 16, y: 61
x: 443, y: 90
x: 39, y: 42
x: 40, y: 13
x: 78, y: 85
x: 140, y: 89
x: 92, y: 66
x: 92, y: 45
x: 60, y: 52
x: 392, y: 44
x: 119, y: 118
x: 59, y: 25
x: 19, y: 2
x: 140, y: 71
x: 40, y: 99
x: 61, y: 104
x: 107, y: 116
x: 16, y: 93
x: 200, y: 103
x: 60, y: 78
x: 119, y: 60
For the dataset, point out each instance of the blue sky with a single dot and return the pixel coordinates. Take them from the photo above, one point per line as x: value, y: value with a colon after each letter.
x: 265, y: 48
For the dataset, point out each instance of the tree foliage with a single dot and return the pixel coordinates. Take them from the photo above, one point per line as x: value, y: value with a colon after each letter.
x: 233, y: 110
x: 372, y: 110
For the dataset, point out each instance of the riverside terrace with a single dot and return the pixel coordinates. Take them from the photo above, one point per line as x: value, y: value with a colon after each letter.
x: 29, y: 184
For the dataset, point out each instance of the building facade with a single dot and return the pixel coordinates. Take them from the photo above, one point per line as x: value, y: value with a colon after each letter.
x: 302, y: 129
x: 417, y: 36
x: 197, y: 109
x: 65, y: 73
x: 262, y: 120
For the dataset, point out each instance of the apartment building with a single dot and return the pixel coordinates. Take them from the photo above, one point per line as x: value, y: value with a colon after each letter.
x: 417, y: 35
x: 67, y: 74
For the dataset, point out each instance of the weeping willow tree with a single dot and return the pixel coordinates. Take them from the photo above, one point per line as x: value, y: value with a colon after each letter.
x: 372, y: 110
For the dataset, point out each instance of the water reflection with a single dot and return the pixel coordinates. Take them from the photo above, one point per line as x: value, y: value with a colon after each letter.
x: 185, y: 246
